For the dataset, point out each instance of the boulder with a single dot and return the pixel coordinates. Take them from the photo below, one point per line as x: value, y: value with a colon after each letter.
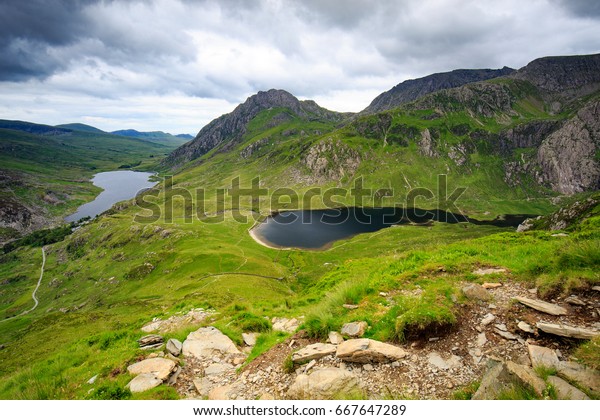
x: 150, y: 340
x: 364, y: 350
x: 540, y: 305
x: 285, y: 324
x: 566, y: 391
x: 325, y: 384
x: 476, y: 292
x: 542, y: 356
x: 313, y: 351
x: 143, y: 382
x: 250, y: 338
x: 567, y: 331
x: 174, y: 346
x: 207, y: 342
x: 159, y: 367
x: 502, y: 376
x: 336, y: 338
x: 354, y: 329
x: 576, y: 373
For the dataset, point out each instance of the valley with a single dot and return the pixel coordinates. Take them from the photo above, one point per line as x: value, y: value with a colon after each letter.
x: 521, y: 142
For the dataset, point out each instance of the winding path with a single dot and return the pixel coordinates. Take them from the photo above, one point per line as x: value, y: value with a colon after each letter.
x: 35, y: 291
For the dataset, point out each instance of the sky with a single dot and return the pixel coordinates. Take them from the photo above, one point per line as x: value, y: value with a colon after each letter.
x: 175, y: 65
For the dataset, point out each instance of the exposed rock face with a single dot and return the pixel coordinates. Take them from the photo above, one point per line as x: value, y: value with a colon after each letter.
x: 524, y: 136
x: 410, y: 90
x: 331, y: 160
x: 325, y: 384
x: 579, y: 74
x: 427, y: 145
x: 230, y: 128
x: 567, y: 156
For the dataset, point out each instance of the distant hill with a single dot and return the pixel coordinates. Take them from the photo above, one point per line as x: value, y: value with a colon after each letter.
x: 411, y: 90
x: 159, y: 137
x: 81, y: 127
x: 28, y: 127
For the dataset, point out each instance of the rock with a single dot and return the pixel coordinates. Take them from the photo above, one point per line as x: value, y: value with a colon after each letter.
x: 501, y: 327
x: 354, y: 329
x: 566, y: 391
x: 540, y: 305
x: 313, y: 351
x: 92, y: 380
x: 368, y: 367
x: 574, y: 300
x: 206, y: 342
x: 527, y: 376
x: 203, y: 385
x: 266, y: 396
x: 220, y: 393
x: 285, y: 324
x: 505, y: 334
x: 217, y: 369
x: 476, y: 292
x: 436, y: 360
x: 250, y: 338
x: 488, y: 319
x: 173, y: 378
x: 486, y: 271
x: 159, y: 367
x: 348, y: 306
x: 310, y: 365
x: 177, y: 322
x: 152, y: 346
x: 325, y: 384
x: 542, y: 356
x: 336, y: 338
x: 576, y: 373
x: 596, y: 288
x: 481, y: 340
x: 150, y: 340
x: 143, y: 382
x: 524, y: 326
x: 174, y: 346
x: 491, y: 285
x: 383, y: 294
x: 567, y: 331
x: 364, y: 350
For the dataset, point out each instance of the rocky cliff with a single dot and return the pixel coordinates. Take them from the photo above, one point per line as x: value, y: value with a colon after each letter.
x: 229, y: 129
x: 411, y: 90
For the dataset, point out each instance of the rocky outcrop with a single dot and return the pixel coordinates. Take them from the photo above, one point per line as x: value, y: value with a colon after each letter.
x: 575, y: 75
x: 229, y: 129
x: 331, y: 160
x: 568, y: 156
x: 325, y: 384
x: 410, y: 90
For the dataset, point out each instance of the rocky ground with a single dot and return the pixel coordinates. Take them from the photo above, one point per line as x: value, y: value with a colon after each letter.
x: 495, y: 333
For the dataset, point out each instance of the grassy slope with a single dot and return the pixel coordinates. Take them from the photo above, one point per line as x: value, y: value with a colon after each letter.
x: 61, y: 165
x: 114, y: 275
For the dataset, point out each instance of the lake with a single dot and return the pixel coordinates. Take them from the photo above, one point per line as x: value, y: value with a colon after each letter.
x: 117, y: 186
x: 317, y: 229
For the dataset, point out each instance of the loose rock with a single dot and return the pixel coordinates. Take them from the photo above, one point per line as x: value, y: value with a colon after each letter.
x: 325, y: 384
x: 336, y: 338
x: 476, y: 292
x: 250, y: 338
x: 542, y: 356
x: 313, y: 351
x: 567, y: 331
x: 354, y: 329
x: 159, y: 367
x: 150, y: 340
x: 524, y: 326
x: 174, y: 346
x: 566, y: 391
x: 364, y: 350
x: 143, y: 382
x: 540, y: 305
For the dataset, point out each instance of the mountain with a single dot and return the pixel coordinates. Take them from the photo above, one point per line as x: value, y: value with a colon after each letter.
x: 410, y: 90
x: 159, y: 137
x: 228, y: 130
x: 81, y: 127
x: 43, y: 170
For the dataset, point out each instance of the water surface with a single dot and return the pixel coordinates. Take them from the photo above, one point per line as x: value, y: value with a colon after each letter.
x: 117, y: 186
x: 317, y: 229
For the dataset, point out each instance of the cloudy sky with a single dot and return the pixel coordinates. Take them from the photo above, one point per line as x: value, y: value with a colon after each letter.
x: 174, y: 65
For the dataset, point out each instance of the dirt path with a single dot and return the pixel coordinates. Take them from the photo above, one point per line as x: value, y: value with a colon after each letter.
x: 35, y: 291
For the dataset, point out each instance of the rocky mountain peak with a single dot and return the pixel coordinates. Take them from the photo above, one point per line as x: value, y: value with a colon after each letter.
x: 230, y: 128
x: 413, y: 89
x: 561, y: 74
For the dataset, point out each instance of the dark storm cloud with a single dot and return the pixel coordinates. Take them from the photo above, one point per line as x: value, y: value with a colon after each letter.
x: 29, y: 29
x: 581, y: 8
